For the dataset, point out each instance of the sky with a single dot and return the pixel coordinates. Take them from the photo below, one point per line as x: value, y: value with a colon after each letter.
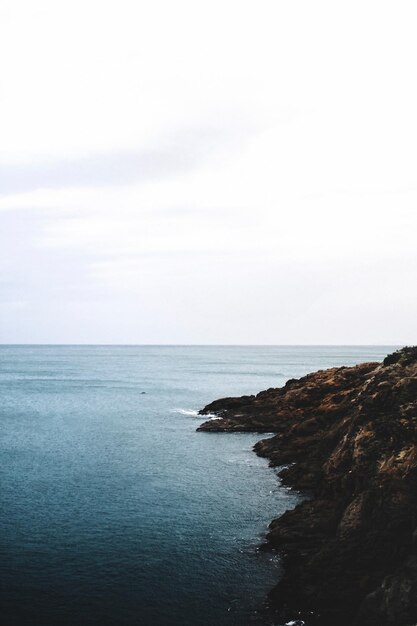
x: 223, y: 172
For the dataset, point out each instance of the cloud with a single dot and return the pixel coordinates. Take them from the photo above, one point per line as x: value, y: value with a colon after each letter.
x: 218, y: 172
x: 180, y: 152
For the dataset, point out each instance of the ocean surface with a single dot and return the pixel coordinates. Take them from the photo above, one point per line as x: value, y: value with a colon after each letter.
x: 113, y: 509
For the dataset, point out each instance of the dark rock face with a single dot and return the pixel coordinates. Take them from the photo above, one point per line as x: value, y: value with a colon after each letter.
x: 347, y: 437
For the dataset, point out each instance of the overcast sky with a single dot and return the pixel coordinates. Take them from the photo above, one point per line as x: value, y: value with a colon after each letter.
x: 208, y: 172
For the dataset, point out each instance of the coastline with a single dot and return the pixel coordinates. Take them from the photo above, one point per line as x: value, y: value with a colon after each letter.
x: 347, y: 438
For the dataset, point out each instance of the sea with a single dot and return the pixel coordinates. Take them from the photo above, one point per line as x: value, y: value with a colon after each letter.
x: 113, y: 509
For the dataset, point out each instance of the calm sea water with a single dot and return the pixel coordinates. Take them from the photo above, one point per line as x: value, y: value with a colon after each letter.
x: 113, y: 510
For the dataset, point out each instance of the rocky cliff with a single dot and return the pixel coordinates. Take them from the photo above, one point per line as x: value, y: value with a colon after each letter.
x: 347, y: 438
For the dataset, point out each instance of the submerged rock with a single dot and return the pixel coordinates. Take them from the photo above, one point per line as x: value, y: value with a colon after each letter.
x: 347, y: 438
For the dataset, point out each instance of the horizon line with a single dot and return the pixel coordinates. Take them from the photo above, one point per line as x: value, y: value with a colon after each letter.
x: 214, y: 345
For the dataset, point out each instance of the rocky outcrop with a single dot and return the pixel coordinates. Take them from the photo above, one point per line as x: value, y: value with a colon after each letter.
x: 347, y: 438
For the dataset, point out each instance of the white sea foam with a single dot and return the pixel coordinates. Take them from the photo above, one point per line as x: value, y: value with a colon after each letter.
x: 193, y: 413
x: 189, y: 412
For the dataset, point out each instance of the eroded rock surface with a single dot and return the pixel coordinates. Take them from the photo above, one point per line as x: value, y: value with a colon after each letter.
x: 347, y: 437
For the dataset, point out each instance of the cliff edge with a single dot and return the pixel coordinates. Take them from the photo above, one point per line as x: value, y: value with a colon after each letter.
x: 347, y: 438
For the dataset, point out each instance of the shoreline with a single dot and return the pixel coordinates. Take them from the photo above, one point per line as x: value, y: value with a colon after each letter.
x: 347, y: 436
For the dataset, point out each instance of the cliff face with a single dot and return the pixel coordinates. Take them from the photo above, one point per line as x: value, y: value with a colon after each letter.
x: 347, y: 437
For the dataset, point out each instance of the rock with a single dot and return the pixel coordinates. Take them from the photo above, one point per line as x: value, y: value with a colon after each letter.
x: 347, y: 438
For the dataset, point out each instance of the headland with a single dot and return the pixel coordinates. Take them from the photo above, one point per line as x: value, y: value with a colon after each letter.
x: 346, y: 438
